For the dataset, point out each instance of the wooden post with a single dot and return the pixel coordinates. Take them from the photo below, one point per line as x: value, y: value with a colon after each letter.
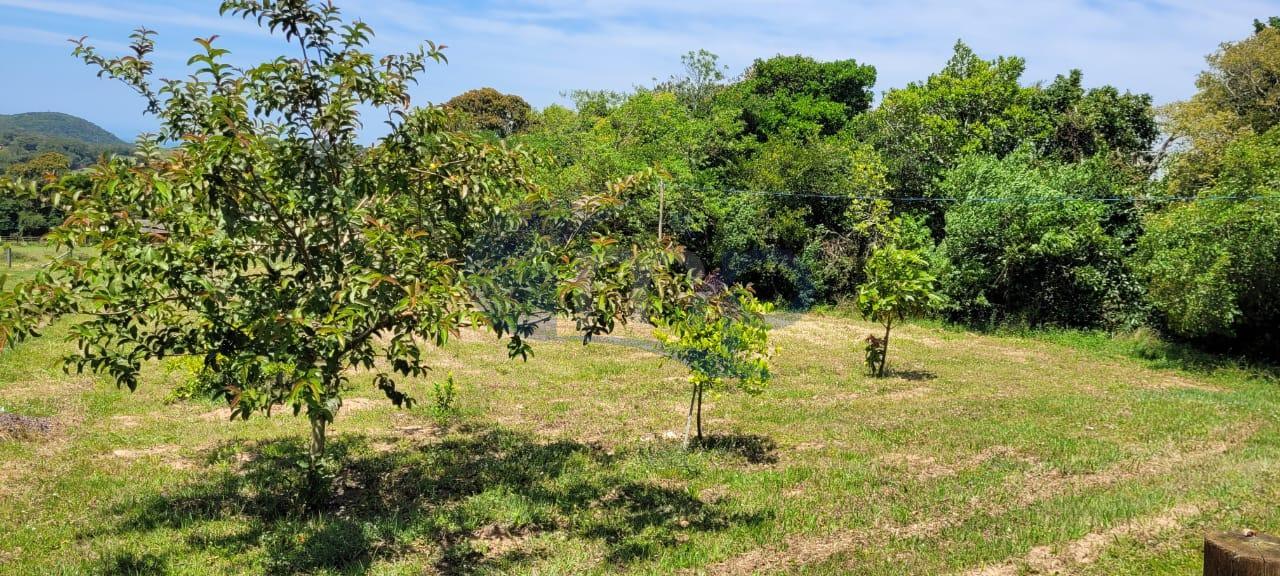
x: 8, y: 256
x: 1241, y: 554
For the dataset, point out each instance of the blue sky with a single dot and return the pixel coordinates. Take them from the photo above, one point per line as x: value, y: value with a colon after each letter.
x: 540, y: 48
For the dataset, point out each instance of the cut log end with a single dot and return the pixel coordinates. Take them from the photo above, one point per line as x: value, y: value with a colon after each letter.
x: 1241, y: 553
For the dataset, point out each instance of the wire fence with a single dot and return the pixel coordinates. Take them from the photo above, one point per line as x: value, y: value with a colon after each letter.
x: 20, y: 239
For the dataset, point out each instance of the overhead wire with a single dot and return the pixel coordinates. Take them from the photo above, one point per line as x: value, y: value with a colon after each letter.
x: 993, y: 199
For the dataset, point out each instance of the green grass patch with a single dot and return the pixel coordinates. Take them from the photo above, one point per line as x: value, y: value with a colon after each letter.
x: 977, y: 451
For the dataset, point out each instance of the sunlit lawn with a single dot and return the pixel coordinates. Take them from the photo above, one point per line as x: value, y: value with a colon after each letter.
x: 981, y: 454
x: 26, y: 259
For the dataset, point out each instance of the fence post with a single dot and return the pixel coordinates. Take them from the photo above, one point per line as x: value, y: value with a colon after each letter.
x: 8, y: 256
x: 1241, y: 554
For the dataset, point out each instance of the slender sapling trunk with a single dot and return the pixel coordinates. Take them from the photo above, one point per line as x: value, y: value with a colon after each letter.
x: 884, y: 351
x: 699, y: 416
x: 688, y: 421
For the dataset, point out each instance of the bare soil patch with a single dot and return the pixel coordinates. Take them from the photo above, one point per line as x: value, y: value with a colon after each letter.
x: 796, y: 552
x: 17, y: 426
x: 348, y: 405
x: 166, y: 452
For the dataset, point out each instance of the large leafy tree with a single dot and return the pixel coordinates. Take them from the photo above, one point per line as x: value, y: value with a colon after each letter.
x: 1094, y: 121
x: 613, y: 136
x: 1238, y: 96
x: 1210, y: 265
x: 274, y: 247
x: 1244, y: 78
x: 971, y: 106
x: 697, y: 86
x: 977, y: 106
x: 798, y: 96
x: 491, y: 110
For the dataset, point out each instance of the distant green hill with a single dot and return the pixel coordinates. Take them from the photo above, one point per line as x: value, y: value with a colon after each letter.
x: 24, y: 136
x: 58, y: 125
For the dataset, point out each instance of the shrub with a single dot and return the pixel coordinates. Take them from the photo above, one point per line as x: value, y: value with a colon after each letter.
x: 1212, y: 269
x: 1030, y: 245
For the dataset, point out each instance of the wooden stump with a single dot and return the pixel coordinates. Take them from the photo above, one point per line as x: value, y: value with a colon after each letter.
x: 1241, y: 554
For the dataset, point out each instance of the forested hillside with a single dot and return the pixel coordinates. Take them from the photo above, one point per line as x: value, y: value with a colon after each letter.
x: 26, y: 136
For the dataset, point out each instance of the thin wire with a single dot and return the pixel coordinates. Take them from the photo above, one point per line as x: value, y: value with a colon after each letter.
x: 1118, y: 199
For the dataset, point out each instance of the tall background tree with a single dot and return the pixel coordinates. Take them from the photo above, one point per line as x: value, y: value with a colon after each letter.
x: 1211, y: 265
x: 491, y: 110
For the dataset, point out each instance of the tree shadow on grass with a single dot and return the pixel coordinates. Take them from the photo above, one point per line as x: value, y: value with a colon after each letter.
x: 1174, y: 355
x: 912, y: 375
x: 753, y: 448
x: 471, y: 501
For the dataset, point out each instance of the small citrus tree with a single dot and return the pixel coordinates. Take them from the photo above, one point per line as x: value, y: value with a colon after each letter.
x: 721, y: 335
x: 898, y: 284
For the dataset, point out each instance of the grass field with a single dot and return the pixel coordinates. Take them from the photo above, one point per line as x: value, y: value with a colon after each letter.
x: 980, y: 455
x: 26, y: 260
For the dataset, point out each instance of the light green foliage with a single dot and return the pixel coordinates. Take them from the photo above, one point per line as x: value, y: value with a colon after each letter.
x: 971, y: 106
x: 1031, y: 246
x: 977, y: 106
x: 697, y: 87
x: 722, y: 338
x: 610, y: 138
x: 1244, y: 79
x: 45, y: 166
x: 444, y: 399
x: 1237, y: 97
x: 898, y: 284
x: 1212, y: 267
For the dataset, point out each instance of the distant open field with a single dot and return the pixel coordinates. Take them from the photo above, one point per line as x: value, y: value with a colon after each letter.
x: 985, y: 455
x: 27, y: 258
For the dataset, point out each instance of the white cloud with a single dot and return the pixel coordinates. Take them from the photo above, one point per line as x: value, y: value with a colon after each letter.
x: 546, y: 46
x: 540, y: 48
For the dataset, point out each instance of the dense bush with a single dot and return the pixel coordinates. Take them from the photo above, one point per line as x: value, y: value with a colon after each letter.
x: 22, y: 215
x: 1212, y: 266
x: 1030, y: 245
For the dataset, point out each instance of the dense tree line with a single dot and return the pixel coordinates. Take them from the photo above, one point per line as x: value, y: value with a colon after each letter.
x: 30, y: 215
x: 1035, y: 203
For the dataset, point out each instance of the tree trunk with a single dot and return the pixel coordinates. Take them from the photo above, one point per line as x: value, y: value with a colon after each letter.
x: 699, y: 418
x: 315, y: 477
x: 1241, y: 554
x: 884, y: 351
x: 688, y: 421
